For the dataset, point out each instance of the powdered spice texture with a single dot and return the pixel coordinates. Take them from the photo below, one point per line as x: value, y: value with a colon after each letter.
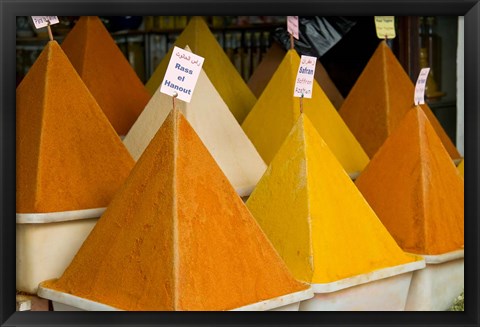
x: 68, y: 156
x: 415, y: 188
x: 106, y: 72
x: 316, y: 218
x: 381, y: 96
x: 177, y: 237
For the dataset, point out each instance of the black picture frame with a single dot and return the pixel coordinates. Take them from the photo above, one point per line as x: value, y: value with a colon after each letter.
x: 10, y: 9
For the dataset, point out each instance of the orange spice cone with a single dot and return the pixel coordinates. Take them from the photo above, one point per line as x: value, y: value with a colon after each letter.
x: 220, y: 70
x: 106, y: 72
x: 277, y: 110
x: 316, y: 218
x: 415, y: 188
x: 214, y: 124
x: 266, y: 68
x: 269, y: 64
x: 68, y: 155
x: 378, y: 101
x: 177, y: 237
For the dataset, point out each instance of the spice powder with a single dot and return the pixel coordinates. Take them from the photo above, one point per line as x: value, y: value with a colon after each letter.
x: 316, y: 218
x: 415, y: 188
x: 177, y: 237
x: 277, y: 111
x: 106, y: 72
x: 68, y: 156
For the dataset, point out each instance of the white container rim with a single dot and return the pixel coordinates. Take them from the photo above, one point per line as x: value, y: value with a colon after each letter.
x: 72, y: 300
x: 444, y: 257
x: 54, y: 217
x: 278, y: 301
x: 90, y: 305
x: 368, y: 277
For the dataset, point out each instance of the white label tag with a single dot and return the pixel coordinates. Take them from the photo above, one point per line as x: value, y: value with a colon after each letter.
x: 419, y: 97
x: 305, y: 75
x: 42, y: 21
x: 182, y: 74
x: 385, y: 26
x: 292, y: 26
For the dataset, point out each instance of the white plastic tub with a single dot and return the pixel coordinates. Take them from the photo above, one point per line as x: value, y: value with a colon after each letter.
x: 289, y: 302
x: 381, y: 290
x: 436, y: 287
x: 47, y: 242
x: 67, y: 302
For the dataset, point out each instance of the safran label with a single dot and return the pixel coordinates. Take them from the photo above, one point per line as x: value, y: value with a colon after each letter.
x: 42, y: 21
x: 305, y: 75
x: 182, y: 74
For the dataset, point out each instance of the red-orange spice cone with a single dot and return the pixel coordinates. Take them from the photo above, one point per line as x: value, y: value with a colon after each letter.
x: 379, y: 99
x: 418, y: 194
x: 177, y: 237
x: 68, y: 155
x: 415, y: 188
x: 106, y: 72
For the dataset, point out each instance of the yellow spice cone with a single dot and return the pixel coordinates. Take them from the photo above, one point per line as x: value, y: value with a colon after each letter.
x: 461, y: 168
x: 68, y: 155
x: 269, y: 64
x: 276, y: 111
x: 106, y: 72
x: 314, y: 215
x: 220, y: 70
x: 415, y: 188
x: 177, y: 237
x: 378, y: 101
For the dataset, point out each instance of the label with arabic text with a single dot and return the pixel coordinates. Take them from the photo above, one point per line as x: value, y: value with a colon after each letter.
x: 419, y: 97
x: 305, y: 75
x: 42, y: 21
x: 182, y: 74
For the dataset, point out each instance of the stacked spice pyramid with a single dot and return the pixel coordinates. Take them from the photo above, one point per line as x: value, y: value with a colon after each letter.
x: 106, y: 72
x: 378, y: 101
x: 415, y: 188
x: 68, y: 155
x: 316, y: 218
x: 269, y: 64
x: 277, y: 111
x: 177, y: 238
x: 228, y: 82
x: 215, y: 125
